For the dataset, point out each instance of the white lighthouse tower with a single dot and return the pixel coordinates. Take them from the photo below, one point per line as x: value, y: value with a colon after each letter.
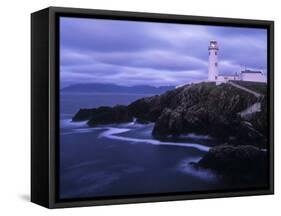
x: 213, y: 61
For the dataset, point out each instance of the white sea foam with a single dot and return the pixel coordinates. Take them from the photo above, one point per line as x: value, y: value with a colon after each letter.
x: 133, y: 124
x: 111, y: 133
x: 186, y: 167
x: 68, y: 123
x: 195, y: 136
x: 80, y: 130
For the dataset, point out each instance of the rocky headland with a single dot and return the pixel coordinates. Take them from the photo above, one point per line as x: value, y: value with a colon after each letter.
x: 202, y: 108
x: 245, y: 163
x: 222, y: 112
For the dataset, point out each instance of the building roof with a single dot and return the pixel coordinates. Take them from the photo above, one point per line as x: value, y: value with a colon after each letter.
x: 251, y: 71
x: 226, y: 75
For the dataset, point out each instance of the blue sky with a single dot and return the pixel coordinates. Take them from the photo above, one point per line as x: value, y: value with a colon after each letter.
x: 145, y: 53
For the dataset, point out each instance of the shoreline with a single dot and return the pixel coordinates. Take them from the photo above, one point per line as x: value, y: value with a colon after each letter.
x: 113, y: 131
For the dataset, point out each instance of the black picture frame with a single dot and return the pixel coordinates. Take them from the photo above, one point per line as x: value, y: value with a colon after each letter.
x: 45, y: 104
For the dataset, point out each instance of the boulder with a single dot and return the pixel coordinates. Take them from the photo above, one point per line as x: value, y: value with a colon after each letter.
x: 83, y: 114
x: 236, y: 163
x: 110, y: 115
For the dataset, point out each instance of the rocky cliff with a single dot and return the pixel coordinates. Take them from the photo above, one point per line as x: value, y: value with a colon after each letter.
x: 202, y: 108
x: 237, y: 163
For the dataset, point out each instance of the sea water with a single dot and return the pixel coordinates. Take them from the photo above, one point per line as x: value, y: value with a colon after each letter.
x: 125, y: 159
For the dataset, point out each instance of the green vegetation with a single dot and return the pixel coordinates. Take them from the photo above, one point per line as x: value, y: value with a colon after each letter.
x: 254, y: 86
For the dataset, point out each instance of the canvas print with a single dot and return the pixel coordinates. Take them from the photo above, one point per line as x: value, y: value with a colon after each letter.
x: 161, y: 108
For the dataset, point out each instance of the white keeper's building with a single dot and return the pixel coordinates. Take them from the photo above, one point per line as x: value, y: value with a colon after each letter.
x: 214, y: 76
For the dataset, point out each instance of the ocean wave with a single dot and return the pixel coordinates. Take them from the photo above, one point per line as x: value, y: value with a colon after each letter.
x: 111, y: 133
x: 134, y: 124
x: 187, y: 168
x: 80, y: 130
x: 68, y: 123
x: 195, y: 136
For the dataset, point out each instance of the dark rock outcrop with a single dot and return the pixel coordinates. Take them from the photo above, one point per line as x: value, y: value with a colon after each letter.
x: 236, y: 163
x: 84, y: 114
x: 202, y: 108
x: 104, y: 115
x: 109, y: 115
x: 209, y: 109
x: 146, y: 109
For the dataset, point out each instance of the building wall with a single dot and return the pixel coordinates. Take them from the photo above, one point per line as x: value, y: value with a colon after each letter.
x: 213, y: 65
x: 251, y: 77
x: 226, y: 78
x: 254, y: 77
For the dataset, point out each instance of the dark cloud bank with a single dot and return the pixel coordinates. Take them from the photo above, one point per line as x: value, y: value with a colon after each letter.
x: 137, y: 53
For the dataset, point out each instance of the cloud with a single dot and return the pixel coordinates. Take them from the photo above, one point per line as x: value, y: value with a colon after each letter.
x: 157, y: 59
x: 128, y: 75
x: 105, y: 35
x: 133, y: 53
